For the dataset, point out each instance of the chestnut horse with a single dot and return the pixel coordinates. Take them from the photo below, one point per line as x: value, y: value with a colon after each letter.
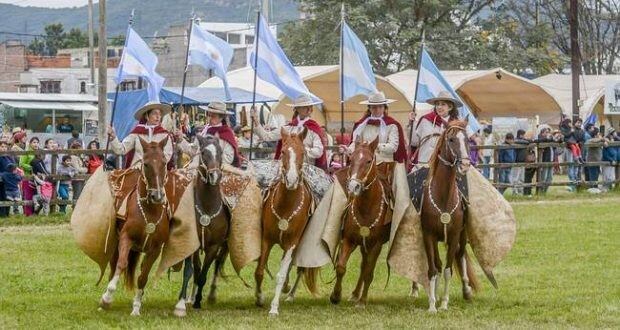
x: 443, y: 213
x: 286, y: 211
x: 364, y: 221
x: 212, y: 222
x: 146, y: 228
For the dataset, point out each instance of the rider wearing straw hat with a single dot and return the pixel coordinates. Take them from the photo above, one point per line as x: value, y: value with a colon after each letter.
x: 315, y: 141
x: 431, y: 125
x: 217, y: 125
x: 150, y: 130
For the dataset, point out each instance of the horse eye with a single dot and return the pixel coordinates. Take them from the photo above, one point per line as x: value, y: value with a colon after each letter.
x: 451, y: 139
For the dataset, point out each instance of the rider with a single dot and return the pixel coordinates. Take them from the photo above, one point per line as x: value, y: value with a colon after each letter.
x: 150, y: 130
x: 315, y: 141
x: 431, y: 125
x: 217, y: 125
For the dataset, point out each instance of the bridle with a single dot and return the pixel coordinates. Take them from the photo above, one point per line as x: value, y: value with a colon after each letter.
x: 150, y: 189
x: 204, y: 177
x: 457, y: 159
x: 150, y: 227
x: 362, y: 182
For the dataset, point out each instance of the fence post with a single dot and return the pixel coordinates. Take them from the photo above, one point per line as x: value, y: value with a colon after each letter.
x: 54, y: 207
x: 539, y: 159
x: 496, y: 169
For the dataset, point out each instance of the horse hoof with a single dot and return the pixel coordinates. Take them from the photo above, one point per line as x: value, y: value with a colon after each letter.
x: 432, y: 310
x: 443, y: 307
x: 467, y: 294
x: 135, y: 313
x: 334, y: 298
x: 196, y: 305
x: 211, y: 300
x: 289, y: 298
x: 104, y: 305
x: 286, y: 289
x: 354, y: 298
x: 180, y: 312
x: 273, y: 313
x: 360, y: 305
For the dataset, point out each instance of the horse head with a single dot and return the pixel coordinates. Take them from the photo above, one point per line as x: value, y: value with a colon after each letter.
x: 362, y: 170
x: 154, y: 170
x: 292, y: 157
x: 210, y: 159
x: 453, y: 148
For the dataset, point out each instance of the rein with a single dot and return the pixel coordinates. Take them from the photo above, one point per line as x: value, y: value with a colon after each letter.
x: 457, y: 160
x: 363, y: 181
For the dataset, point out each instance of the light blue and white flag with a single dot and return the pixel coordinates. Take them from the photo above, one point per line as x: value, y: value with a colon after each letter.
x: 431, y: 82
x: 358, y: 77
x: 273, y: 66
x: 138, y: 61
x: 210, y: 52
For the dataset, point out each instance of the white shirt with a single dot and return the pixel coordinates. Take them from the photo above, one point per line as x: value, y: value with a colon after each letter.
x: 388, y: 140
x: 312, y: 142
x: 426, y: 128
x: 228, y: 151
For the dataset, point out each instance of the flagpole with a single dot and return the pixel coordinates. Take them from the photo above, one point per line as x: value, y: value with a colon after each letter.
x: 118, y: 86
x: 417, y: 80
x: 189, y: 38
x: 256, y: 38
x: 341, y: 76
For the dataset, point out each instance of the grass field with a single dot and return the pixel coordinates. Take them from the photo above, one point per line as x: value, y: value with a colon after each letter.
x: 564, y: 271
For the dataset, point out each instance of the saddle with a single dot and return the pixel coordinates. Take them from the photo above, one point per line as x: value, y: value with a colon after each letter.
x: 418, y: 184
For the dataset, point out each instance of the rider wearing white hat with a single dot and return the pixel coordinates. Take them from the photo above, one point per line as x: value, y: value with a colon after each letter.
x: 150, y: 130
x: 217, y: 125
x: 315, y: 141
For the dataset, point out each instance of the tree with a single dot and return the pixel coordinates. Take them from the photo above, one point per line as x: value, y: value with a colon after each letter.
x: 118, y: 40
x: 75, y: 39
x: 37, y: 47
x: 54, y: 38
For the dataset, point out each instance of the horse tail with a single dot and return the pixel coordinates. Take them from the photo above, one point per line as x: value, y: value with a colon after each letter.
x: 130, y: 272
x: 471, y: 274
x: 310, y: 279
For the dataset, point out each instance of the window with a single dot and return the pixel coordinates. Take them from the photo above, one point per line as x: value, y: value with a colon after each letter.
x: 234, y: 38
x: 220, y: 35
x: 50, y: 87
x: 111, y: 53
x: 128, y: 85
x: 83, y: 87
x: 249, y: 40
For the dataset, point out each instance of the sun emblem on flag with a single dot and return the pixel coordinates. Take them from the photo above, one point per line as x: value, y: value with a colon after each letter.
x: 214, y: 55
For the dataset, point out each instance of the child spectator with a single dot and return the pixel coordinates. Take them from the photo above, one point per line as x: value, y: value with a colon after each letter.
x: 11, y: 180
x: 93, y: 161
x: 40, y: 186
x: 594, y: 154
x: 335, y: 163
x: 25, y: 162
x: 65, y: 168
x: 506, y: 156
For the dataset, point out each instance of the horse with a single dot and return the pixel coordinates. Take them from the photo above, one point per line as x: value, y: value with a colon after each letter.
x: 364, y: 220
x: 443, y: 214
x: 146, y: 228
x: 212, y: 222
x: 285, y: 214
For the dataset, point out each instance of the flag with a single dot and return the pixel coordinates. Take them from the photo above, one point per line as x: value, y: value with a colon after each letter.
x: 431, y: 82
x: 358, y: 77
x: 273, y: 66
x: 139, y: 61
x: 210, y: 52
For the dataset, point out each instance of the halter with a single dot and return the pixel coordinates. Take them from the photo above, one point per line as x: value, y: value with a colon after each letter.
x: 457, y: 160
x: 362, y: 182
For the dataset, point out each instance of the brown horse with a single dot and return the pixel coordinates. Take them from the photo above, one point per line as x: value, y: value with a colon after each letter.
x: 364, y: 221
x: 146, y: 228
x: 443, y: 214
x: 212, y: 222
x: 285, y: 216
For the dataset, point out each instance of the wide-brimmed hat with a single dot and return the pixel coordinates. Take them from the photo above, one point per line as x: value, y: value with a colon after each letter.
x: 164, y: 108
x: 304, y: 100
x: 16, y: 129
x: 246, y: 128
x: 377, y: 98
x: 444, y: 96
x: 217, y: 107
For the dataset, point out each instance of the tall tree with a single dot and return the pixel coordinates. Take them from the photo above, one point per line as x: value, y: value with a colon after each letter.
x: 54, y: 38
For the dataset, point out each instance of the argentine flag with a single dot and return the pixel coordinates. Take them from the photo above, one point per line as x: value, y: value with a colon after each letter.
x: 138, y: 61
x: 431, y: 82
x: 210, y: 52
x: 358, y: 77
x: 273, y: 66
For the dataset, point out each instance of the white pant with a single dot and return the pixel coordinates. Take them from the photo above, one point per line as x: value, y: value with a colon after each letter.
x: 609, y: 175
x: 517, y: 175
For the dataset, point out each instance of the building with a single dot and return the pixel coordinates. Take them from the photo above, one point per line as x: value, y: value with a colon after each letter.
x: 62, y: 81
x: 12, y: 64
x: 171, y: 50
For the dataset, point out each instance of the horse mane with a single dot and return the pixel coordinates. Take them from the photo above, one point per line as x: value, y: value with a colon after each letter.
x: 433, y: 162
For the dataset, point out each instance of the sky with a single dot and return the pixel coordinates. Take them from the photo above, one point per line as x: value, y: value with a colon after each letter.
x: 48, y: 3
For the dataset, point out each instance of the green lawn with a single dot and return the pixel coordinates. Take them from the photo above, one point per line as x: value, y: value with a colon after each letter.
x: 564, y: 271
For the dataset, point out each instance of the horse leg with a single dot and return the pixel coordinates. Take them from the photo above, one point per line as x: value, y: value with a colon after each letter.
x: 286, y: 288
x: 415, y: 290
x: 280, y: 277
x: 355, y: 295
x: 124, y: 245
x: 219, y: 264
x: 147, y: 263
x: 196, y: 265
x: 259, y: 274
x: 462, y: 260
x: 210, y: 255
x: 341, y: 268
x: 429, y: 246
x: 439, y: 268
x: 179, y: 309
x: 291, y: 293
x: 453, y: 244
x: 368, y: 271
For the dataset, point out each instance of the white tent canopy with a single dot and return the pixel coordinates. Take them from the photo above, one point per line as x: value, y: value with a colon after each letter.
x: 323, y: 81
x: 493, y: 93
x: 591, y: 92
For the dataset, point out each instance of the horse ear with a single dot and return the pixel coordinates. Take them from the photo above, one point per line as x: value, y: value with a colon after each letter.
x: 162, y: 143
x: 373, y: 145
x: 303, y: 134
x: 284, y: 133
